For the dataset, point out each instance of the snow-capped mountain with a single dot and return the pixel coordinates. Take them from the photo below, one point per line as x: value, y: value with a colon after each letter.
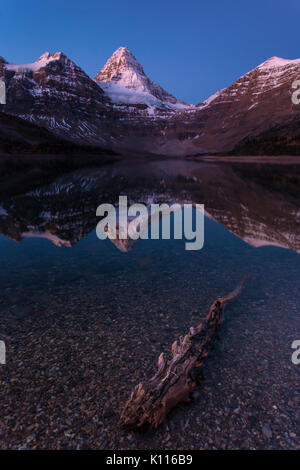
x: 124, y: 81
x: 55, y: 93
x: 256, y: 107
x: 124, y: 110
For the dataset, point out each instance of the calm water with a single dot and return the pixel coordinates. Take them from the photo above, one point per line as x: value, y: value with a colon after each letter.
x: 84, y: 320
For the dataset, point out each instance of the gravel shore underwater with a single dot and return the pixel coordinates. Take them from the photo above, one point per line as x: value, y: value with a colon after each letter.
x: 84, y: 325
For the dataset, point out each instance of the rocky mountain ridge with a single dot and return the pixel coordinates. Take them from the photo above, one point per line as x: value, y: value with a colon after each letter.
x: 124, y: 110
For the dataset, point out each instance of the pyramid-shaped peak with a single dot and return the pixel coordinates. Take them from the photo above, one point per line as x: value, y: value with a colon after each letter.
x: 121, y: 62
x: 123, y: 79
x: 123, y: 50
x: 123, y: 53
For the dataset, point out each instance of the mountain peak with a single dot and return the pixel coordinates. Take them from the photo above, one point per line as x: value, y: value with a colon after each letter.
x: 123, y: 51
x: 277, y: 62
x: 123, y: 79
x: 44, y: 56
x: 121, y: 62
x: 42, y: 61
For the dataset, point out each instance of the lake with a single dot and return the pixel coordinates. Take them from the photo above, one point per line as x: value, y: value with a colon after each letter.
x: 84, y: 320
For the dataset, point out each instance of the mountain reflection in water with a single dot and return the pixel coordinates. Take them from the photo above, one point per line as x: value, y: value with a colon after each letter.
x: 257, y: 202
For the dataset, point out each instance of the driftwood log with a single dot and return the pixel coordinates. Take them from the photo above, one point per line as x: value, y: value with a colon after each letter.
x: 175, y: 379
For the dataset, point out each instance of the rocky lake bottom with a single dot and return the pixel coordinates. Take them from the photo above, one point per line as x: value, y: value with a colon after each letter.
x: 84, y: 324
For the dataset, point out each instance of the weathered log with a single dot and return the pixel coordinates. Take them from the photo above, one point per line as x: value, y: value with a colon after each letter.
x: 175, y: 379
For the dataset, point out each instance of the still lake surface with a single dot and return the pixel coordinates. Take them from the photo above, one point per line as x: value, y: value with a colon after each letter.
x: 85, y: 320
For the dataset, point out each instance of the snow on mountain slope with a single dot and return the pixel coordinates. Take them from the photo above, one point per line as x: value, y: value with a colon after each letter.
x: 35, y: 66
x: 124, y: 81
x: 245, y: 111
x: 55, y: 93
x: 277, y: 62
x: 123, y: 109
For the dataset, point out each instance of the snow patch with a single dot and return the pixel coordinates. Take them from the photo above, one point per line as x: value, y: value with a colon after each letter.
x: 277, y: 62
x: 41, y: 62
x: 120, y: 94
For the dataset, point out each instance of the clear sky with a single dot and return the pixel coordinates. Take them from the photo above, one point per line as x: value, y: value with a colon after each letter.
x: 190, y: 47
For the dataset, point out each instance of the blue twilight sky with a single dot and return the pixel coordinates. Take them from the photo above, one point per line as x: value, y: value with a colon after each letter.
x: 190, y: 47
